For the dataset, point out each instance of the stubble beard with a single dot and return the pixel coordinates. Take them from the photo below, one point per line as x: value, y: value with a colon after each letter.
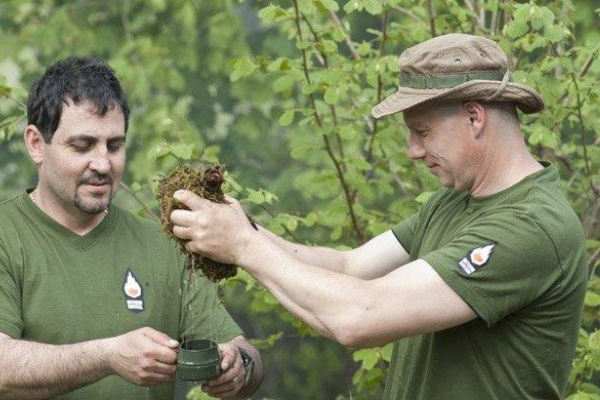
x: 94, y: 205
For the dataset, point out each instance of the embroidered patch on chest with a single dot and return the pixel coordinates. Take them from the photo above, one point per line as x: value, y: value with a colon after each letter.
x: 476, y: 258
x: 134, y: 294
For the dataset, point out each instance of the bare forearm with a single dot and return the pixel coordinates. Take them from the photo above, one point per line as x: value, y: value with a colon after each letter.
x: 322, y: 257
x: 326, y: 302
x: 35, y: 370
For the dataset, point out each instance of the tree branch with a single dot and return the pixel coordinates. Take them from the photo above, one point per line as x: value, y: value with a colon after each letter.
x: 15, y: 100
x: 345, y: 187
x: 582, y: 126
x: 325, y: 63
x: 384, y: 18
x: 338, y: 22
x: 136, y: 198
x: 410, y: 13
x: 432, y: 19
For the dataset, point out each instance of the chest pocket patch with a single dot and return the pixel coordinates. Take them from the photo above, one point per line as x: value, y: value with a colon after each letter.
x: 134, y: 294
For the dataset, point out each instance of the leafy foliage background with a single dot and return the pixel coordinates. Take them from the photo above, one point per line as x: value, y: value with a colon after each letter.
x: 280, y: 91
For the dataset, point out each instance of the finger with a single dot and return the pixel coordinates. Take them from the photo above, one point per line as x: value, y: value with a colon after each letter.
x: 182, y: 217
x: 228, y: 376
x: 191, y: 200
x: 182, y: 232
x: 162, y: 368
x: 228, y: 355
x: 160, y: 338
x: 153, y: 379
x: 164, y: 355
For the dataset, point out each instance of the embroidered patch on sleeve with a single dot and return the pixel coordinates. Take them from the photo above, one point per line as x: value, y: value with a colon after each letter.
x: 476, y: 258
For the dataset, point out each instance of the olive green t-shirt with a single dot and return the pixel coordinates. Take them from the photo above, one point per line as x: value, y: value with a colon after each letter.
x: 58, y: 287
x: 518, y: 259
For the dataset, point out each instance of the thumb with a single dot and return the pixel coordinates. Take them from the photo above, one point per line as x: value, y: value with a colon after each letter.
x: 190, y: 199
x: 161, y: 338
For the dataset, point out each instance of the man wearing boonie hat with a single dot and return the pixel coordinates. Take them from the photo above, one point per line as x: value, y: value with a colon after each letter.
x: 482, y: 289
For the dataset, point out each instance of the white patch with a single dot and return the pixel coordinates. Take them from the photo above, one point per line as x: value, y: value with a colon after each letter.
x: 481, y: 255
x: 132, y: 287
x: 133, y: 293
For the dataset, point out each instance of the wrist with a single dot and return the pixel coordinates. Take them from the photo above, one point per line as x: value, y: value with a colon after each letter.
x: 106, y: 348
x: 247, y: 250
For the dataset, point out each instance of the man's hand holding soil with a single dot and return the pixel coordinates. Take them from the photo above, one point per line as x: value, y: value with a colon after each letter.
x: 220, y: 232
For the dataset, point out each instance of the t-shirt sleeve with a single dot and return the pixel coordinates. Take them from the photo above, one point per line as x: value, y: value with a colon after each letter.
x: 501, y: 265
x: 204, y: 315
x: 405, y: 231
x: 10, y: 298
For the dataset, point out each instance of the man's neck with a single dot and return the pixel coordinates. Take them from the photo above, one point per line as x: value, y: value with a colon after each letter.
x: 71, y: 218
x: 506, y: 166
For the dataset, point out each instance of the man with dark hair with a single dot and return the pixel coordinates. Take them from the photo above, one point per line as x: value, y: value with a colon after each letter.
x: 93, y: 299
x: 483, y: 288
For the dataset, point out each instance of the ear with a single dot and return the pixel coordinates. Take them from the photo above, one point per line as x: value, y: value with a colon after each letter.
x: 34, y: 142
x: 477, y: 116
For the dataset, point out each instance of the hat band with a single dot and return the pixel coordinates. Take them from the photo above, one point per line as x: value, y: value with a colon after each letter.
x: 447, y: 80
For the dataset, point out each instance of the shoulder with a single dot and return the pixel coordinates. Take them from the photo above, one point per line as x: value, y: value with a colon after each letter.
x: 9, y: 214
x: 142, y: 227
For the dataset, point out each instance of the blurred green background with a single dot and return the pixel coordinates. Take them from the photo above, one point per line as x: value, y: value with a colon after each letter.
x: 280, y: 92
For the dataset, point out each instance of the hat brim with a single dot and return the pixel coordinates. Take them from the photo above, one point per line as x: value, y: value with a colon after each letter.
x: 525, y: 98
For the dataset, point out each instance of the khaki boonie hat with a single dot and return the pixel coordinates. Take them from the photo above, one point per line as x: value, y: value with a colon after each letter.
x: 456, y: 67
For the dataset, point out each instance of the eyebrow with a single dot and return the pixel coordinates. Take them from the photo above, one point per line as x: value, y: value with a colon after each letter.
x: 93, y: 139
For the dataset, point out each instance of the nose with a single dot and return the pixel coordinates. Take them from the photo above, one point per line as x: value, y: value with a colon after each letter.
x: 100, y: 162
x: 416, y: 150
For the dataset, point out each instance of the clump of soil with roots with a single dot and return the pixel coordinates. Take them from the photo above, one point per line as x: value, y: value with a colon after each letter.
x: 206, y: 182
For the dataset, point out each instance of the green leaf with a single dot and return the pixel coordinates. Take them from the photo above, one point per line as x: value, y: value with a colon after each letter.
x: 386, y: 352
x: 303, y: 44
x: 210, y: 153
x: 268, y: 13
x: 283, y: 83
x: 256, y: 197
x: 347, y: 132
x: 136, y: 187
x: 592, y: 299
x: 423, y: 197
x: 516, y: 29
x: 287, y: 117
x: 300, y: 151
x: 242, y: 68
x: 330, y: 5
x: 361, y: 164
x: 309, y: 88
x: 292, y: 224
x: 158, y: 151
x: 353, y: 5
x: 10, y: 120
x: 373, y: 7
x: 331, y: 95
x: 594, y: 341
x: 183, y: 151
x: 554, y: 33
x: 329, y: 46
x: 4, y: 90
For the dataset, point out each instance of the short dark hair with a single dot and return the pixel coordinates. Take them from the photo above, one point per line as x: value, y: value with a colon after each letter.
x: 78, y: 79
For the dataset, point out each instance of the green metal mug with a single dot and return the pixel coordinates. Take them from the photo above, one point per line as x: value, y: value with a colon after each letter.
x: 198, y: 360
